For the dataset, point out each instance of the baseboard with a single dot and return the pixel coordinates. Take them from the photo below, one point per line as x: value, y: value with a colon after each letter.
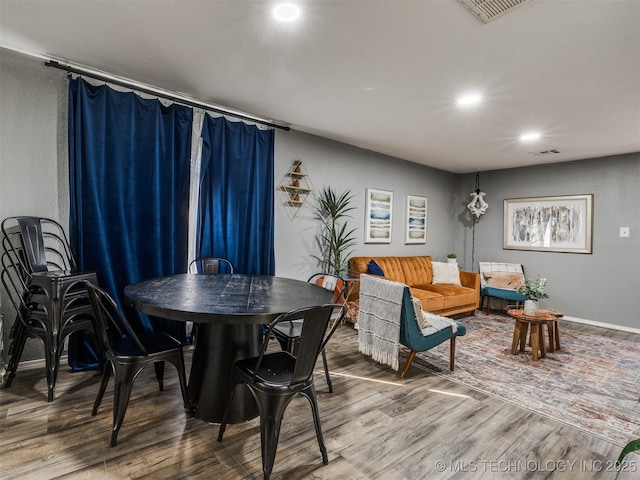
x: 611, y: 326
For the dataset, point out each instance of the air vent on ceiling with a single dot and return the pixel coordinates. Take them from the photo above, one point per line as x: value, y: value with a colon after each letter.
x: 488, y: 10
x: 551, y: 151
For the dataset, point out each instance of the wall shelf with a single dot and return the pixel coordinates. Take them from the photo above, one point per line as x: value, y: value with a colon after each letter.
x: 296, y: 185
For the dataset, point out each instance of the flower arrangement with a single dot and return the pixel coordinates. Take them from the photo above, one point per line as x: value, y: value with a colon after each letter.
x: 533, y: 289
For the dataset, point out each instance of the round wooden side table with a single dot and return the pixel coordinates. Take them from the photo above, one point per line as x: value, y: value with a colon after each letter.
x: 536, y: 322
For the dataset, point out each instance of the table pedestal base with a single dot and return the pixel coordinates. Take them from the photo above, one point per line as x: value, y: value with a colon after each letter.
x: 217, y: 347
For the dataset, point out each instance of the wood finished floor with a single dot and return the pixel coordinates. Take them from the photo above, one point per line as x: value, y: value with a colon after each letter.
x: 376, y: 426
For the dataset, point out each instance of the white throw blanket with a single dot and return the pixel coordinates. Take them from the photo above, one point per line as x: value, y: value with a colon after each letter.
x: 379, y: 319
x: 437, y: 323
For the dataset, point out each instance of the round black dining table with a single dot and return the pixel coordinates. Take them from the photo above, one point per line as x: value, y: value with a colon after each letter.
x: 230, y: 311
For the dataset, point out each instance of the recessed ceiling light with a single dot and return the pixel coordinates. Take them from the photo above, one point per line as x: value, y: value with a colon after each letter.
x: 469, y: 99
x: 530, y: 136
x: 286, y: 12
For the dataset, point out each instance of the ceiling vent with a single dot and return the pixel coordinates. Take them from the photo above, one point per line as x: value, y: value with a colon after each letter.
x: 488, y: 10
x: 551, y: 151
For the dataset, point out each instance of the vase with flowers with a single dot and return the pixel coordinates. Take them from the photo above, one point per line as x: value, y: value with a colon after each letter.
x: 533, y: 290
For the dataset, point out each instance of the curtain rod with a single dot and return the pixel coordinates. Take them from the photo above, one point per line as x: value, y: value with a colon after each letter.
x: 162, y: 94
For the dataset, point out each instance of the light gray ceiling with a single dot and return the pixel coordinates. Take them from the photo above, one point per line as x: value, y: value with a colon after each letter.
x: 381, y: 75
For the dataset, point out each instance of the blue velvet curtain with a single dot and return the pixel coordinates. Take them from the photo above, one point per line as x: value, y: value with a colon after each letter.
x: 129, y: 184
x: 235, y: 219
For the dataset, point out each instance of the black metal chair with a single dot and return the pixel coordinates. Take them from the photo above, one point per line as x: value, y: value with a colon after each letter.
x: 128, y: 354
x: 274, y: 379
x: 206, y: 266
x: 40, y: 277
x: 288, y: 333
x: 210, y: 265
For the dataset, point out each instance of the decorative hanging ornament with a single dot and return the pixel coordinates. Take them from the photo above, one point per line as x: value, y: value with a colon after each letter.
x: 478, y: 206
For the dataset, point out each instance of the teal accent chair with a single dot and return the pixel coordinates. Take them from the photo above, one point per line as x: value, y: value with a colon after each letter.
x: 488, y: 289
x: 412, y: 337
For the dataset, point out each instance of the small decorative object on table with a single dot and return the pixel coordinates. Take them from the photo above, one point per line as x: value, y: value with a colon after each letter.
x: 534, y: 291
x: 452, y: 258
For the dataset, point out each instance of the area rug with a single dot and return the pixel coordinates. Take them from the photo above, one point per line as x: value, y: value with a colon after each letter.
x: 592, y: 383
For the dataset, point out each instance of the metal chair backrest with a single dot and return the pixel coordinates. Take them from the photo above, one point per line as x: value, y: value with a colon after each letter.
x: 39, y: 243
x: 331, y: 282
x: 210, y: 265
x: 313, y: 337
x: 109, y: 318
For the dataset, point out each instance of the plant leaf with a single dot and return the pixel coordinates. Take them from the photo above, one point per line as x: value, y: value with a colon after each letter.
x: 632, y: 446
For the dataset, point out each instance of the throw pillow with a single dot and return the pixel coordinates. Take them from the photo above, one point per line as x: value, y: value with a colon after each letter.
x: 445, y: 273
x: 505, y: 280
x: 421, y: 316
x: 374, y: 269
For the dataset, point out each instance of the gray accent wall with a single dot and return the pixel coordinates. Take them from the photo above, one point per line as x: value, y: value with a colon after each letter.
x: 330, y: 163
x: 599, y: 287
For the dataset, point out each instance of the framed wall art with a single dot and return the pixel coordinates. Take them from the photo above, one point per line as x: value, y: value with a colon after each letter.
x: 416, y: 220
x: 378, y: 216
x: 549, y: 224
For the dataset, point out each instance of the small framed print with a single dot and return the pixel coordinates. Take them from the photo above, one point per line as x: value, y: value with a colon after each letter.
x: 416, y: 220
x: 378, y: 216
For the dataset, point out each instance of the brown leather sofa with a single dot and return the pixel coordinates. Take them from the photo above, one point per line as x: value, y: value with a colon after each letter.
x: 416, y: 272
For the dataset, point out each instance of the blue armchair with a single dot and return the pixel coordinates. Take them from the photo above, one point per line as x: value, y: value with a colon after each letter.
x: 500, y: 280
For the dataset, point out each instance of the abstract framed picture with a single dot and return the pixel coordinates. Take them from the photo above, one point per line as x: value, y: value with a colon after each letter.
x: 549, y: 224
x: 416, y: 220
x: 378, y: 216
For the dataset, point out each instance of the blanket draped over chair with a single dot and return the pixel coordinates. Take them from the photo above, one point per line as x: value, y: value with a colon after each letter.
x: 379, y: 319
x: 388, y: 319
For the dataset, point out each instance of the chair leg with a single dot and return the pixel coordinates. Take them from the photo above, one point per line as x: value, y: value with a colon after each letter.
x: 106, y: 373
x: 121, y: 393
x: 272, y: 409
x: 179, y: 364
x: 18, y: 337
x: 326, y: 371
x: 311, y: 396
x: 227, y: 410
x: 51, y: 365
x: 452, y: 354
x: 408, y: 364
x: 159, y: 368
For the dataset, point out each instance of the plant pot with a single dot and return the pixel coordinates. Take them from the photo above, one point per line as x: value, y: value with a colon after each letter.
x: 531, y: 307
x: 452, y: 260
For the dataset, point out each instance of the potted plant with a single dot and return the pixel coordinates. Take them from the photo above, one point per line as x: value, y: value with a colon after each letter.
x: 533, y: 290
x: 632, y: 446
x: 334, y: 238
x: 451, y: 258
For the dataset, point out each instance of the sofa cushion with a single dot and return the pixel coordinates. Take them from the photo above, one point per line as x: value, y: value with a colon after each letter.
x: 453, y: 295
x: 390, y: 266
x: 430, y: 301
x: 374, y: 269
x: 416, y: 270
x: 445, y: 273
